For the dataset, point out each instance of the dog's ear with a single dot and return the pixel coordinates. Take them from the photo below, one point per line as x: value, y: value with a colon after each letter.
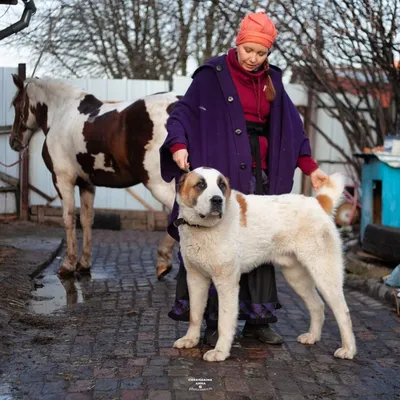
x: 181, y: 182
x: 228, y: 187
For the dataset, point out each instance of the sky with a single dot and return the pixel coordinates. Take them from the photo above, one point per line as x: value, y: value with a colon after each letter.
x: 11, y: 57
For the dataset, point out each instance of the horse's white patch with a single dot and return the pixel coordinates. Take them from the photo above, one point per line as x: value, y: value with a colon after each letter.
x: 100, y: 163
x: 156, y: 106
x: 118, y: 106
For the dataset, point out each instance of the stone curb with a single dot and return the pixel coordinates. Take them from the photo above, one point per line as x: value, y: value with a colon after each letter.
x: 41, y: 266
x: 373, y: 287
x: 365, y: 269
x: 366, y: 276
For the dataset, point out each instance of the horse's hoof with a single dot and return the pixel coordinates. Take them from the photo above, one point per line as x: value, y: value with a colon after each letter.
x: 83, y: 270
x: 163, y: 271
x: 64, y: 272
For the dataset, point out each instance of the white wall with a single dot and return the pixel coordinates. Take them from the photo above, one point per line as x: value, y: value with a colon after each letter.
x: 7, y: 92
x: 7, y: 155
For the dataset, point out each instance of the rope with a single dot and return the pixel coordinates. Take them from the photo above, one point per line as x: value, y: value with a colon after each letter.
x: 10, y: 165
x: 21, y: 154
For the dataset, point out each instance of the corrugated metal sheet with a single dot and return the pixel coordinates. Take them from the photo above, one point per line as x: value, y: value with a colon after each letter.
x: 7, y: 92
x: 7, y: 155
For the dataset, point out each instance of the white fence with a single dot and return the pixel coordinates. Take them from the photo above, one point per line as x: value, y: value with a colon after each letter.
x: 120, y: 90
x: 7, y: 156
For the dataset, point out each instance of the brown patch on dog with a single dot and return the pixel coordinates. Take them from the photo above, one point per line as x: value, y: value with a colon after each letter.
x: 189, y: 188
x: 278, y: 239
x: 329, y: 183
x: 243, y: 209
x: 325, y: 202
x: 223, y: 184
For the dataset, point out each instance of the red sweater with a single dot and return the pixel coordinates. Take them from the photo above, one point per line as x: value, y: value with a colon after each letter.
x: 250, y: 88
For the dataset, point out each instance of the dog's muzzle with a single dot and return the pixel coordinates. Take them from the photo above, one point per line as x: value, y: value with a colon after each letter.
x: 216, y: 205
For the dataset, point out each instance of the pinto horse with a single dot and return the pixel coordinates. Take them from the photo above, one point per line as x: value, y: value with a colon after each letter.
x: 90, y: 143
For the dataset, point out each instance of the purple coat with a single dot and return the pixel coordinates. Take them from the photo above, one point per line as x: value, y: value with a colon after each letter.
x: 209, y: 119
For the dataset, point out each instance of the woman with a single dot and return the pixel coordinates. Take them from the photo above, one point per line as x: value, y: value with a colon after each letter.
x: 236, y: 117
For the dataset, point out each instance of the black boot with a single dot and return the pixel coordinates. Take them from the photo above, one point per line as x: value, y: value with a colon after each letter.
x: 210, y: 336
x: 264, y: 333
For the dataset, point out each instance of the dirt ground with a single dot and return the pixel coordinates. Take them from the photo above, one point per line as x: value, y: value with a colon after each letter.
x: 25, y: 248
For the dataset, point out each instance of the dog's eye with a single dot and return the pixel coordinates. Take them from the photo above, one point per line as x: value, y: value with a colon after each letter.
x: 201, y: 185
x: 222, y: 186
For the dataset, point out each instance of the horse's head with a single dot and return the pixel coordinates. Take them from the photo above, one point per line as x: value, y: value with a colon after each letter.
x: 25, y: 123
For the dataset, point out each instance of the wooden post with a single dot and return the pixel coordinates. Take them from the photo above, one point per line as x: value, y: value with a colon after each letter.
x: 23, y: 168
x: 309, y: 115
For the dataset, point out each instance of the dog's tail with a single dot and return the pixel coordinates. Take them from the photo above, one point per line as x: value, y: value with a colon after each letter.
x: 330, y: 194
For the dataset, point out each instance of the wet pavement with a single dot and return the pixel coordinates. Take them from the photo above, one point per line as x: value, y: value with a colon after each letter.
x: 25, y: 249
x: 108, y: 336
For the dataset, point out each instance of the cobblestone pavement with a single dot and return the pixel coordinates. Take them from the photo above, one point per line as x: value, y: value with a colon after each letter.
x: 114, y: 341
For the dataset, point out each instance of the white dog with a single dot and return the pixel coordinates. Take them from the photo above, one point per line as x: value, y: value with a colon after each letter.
x: 224, y: 233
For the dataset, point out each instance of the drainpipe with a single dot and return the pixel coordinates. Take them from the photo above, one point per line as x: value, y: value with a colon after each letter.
x: 23, y: 23
x: 309, y: 117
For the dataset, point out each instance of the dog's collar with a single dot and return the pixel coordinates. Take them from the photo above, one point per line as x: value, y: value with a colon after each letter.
x: 180, y: 221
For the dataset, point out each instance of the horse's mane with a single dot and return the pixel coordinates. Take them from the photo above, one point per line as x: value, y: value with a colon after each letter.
x: 52, y: 88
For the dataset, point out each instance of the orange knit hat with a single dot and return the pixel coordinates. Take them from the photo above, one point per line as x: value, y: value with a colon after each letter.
x: 257, y: 28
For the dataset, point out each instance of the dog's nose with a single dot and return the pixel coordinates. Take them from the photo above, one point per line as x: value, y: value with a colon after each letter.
x: 216, y: 200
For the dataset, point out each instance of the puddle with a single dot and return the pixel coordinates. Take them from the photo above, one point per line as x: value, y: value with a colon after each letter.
x: 52, y: 293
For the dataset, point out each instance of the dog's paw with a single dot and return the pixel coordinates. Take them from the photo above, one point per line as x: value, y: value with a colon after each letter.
x: 186, y: 342
x: 307, y: 338
x: 215, y: 355
x: 345, y: 354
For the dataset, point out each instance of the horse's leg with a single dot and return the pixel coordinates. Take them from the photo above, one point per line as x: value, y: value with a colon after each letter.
x: 164, y: 193
x: 66, y: 191
x: 164, y: 253
x: 87, y: 213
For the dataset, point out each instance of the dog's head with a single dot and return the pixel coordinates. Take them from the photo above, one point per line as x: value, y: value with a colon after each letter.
x: 202, y: 196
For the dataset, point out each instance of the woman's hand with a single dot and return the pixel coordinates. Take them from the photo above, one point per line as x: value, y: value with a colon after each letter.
x: 318, y: 178
x: 181, y: 159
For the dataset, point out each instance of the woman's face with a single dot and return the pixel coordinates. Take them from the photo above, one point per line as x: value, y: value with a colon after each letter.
x: 251, y: 55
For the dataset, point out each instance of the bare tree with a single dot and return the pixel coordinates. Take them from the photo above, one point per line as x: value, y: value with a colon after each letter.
x: 143, y: 39
x: 216, y: 25
x: 347, y: 51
